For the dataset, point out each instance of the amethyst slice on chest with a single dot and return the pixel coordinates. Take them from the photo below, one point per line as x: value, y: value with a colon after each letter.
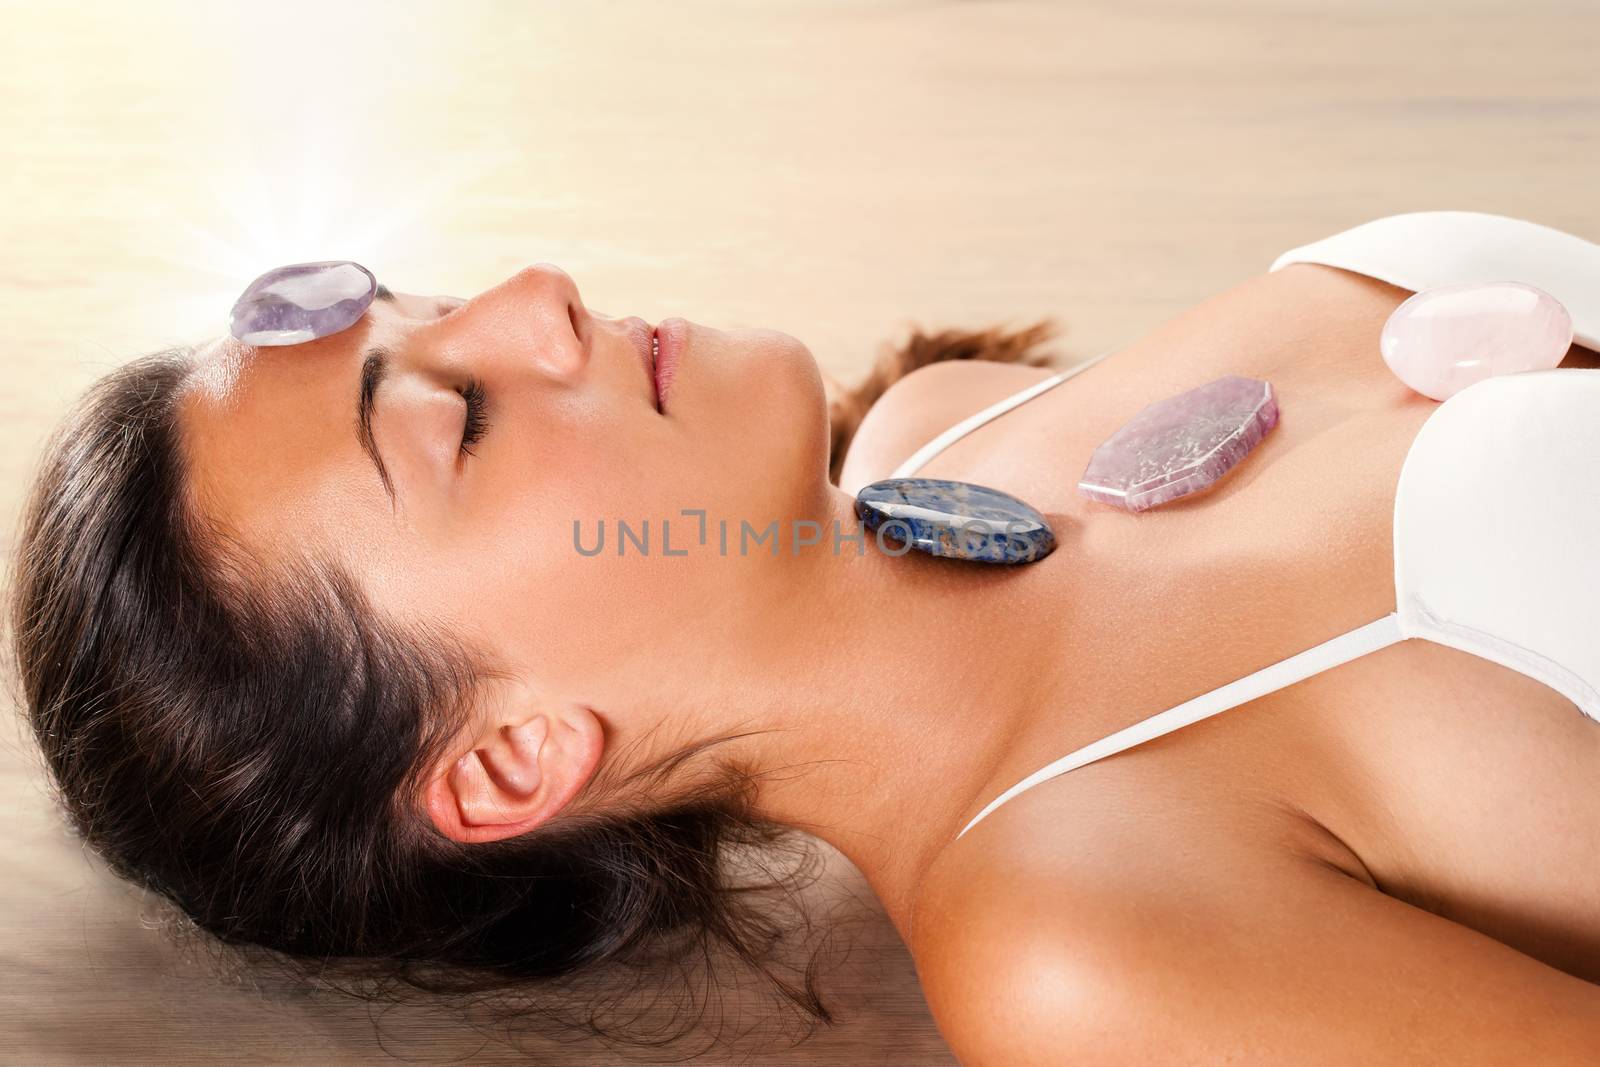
x: 1180, y: 445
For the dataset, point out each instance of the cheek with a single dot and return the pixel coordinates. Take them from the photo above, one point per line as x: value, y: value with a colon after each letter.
x: 516, y: 567
x: 750, y: 443
x: 501, y: 540
x: 590, y: 621
x: 521, y: 548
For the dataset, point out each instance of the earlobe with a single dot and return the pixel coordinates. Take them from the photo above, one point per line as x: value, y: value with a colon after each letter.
x: 514, y: 776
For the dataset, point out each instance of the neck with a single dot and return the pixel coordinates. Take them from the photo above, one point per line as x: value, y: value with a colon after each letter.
x: 898, y: 686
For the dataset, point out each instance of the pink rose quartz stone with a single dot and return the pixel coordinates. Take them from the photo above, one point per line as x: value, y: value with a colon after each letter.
x: 1442, y: 340
x: 1180, y: 445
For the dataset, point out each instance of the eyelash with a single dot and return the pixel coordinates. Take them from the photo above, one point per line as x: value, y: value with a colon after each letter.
x: 477, y: 421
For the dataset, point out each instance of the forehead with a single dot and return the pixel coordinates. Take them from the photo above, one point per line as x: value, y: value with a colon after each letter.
x: 269, y: 438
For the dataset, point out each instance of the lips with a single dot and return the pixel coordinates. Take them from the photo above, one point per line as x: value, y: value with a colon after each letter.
x: 659, y: 350
x: 643, y: 339
x: 671, y: 336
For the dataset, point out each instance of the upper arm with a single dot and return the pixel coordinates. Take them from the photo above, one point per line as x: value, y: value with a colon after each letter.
x: 1315, y: 968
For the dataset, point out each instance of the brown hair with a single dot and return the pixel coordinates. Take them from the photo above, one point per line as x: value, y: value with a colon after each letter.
x: 848, y: 406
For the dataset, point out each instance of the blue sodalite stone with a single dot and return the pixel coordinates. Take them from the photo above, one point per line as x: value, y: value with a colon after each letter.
x: 955, y: 519
x: 302, y: 302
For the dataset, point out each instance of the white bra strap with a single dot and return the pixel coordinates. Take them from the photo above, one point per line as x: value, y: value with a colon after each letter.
x: 1347, y: 646
x: 993, y: 411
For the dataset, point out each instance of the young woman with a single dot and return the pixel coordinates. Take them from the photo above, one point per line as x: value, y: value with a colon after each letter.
x: 318, y: 642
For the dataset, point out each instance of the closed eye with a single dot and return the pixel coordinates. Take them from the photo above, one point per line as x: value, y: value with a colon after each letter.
x: 476, y: 422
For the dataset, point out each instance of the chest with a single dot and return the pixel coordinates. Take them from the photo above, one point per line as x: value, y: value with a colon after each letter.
x: 1464, y: 787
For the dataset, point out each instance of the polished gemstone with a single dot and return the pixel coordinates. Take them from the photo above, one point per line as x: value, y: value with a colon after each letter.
x: 1180, y: 445
x: 1442, y: 340
x: 955, y: 519
x: 302, y: 302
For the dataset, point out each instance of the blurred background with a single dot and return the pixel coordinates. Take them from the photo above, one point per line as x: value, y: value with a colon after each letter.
x: 838, y: 170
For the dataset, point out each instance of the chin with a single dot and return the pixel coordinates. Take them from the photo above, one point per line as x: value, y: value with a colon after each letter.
x: 771, y: 416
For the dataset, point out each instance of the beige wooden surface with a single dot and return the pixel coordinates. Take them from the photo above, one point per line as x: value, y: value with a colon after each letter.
x: 835, y: 169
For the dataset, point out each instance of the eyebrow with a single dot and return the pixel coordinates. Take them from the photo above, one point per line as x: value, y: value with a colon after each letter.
x: 373, y: 367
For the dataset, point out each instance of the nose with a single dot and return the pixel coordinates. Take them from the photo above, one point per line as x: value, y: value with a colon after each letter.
x: 535, y: 316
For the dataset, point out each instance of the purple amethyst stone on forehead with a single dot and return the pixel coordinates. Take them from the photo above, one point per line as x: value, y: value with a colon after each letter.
x: 302, y: 302
x: 1182, y: 444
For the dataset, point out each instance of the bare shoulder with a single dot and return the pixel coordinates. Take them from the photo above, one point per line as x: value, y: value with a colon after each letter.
x: 1174, y: 947
x: 1013, y: 963
x: 925, y: 402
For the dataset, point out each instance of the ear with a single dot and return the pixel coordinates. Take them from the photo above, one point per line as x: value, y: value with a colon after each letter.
x: 517, y: 772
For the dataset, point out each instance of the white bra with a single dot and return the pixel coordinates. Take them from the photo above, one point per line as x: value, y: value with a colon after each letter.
x: 1497, y: 510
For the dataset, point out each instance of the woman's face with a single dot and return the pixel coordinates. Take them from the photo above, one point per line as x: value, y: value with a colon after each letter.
x: 481, y: 537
